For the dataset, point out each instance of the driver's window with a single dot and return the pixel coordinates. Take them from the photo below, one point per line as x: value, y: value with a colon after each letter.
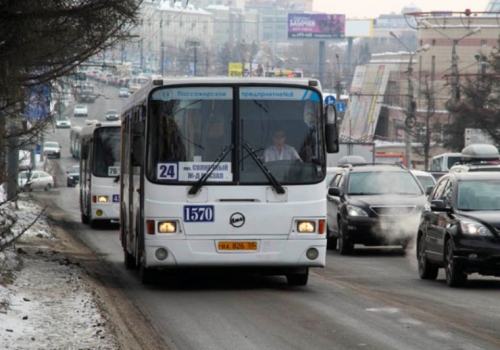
x: 448, y: 194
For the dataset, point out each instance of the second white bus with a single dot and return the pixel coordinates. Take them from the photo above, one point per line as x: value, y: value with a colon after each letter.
x: 99, y: 171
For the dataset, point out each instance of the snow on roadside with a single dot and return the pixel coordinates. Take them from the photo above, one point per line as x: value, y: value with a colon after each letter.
x: 44, y: 302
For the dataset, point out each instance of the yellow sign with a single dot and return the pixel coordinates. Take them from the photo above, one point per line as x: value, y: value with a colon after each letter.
x: 235, y: 69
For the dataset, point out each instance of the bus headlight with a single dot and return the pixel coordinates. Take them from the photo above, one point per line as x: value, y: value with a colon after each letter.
x: 306, y: 226
x: 102, y: 199
x: 167, y: 227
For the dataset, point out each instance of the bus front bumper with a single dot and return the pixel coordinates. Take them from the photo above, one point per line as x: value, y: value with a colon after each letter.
x: 208, y: 253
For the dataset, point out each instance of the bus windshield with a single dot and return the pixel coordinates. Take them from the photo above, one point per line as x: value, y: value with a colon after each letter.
x: 107, y: 152
x: 280, y: 130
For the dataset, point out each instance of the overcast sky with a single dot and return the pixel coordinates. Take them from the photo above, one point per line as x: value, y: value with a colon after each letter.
x: 372, y: 9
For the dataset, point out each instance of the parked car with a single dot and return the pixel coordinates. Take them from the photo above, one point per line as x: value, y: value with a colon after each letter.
x: 374, y: 205
x: 73, y: 177
x: 123, y: 92
x: 80, y: 111
x: 35, y: 180
x: 52, y: 149
x: 460, y: 230
x: 426, y: 179
x: 112, y: 114
x: 63, y: 122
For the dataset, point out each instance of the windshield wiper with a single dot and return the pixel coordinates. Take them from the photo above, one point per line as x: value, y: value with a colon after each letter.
x: 196, y: 187
x: 276, y: 184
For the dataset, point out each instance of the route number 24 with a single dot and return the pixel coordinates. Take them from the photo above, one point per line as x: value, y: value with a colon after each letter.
x: 167, y: 171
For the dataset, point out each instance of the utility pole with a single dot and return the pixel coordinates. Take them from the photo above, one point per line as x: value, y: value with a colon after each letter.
x: 142, y: 54
x: 454, y: 59
x: 411, y: 106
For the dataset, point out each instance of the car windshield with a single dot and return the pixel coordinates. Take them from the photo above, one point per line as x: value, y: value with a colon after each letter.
x: 23, y: 174
x: 479, y: 195
x: 63, y: 118
x: 74, y: 169
x: 51, y: 144
x: 80, y: 107
x: 113, y: 111
x: 383, y: 182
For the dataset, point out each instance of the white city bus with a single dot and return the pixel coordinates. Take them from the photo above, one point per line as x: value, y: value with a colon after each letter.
x: 196, y: 190
x: 99, y: 171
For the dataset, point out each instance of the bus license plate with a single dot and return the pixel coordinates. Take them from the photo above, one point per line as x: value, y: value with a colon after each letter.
x: 237, y: 245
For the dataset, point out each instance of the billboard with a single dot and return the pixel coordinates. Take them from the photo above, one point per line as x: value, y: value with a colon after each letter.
x: 475, y: 136
x: 359, y: 28
x: 315, y: 26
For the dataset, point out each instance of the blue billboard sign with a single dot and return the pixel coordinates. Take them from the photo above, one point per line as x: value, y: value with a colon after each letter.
x: 37, y: 101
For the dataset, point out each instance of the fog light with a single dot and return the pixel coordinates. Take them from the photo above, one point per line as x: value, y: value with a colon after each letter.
x: 473, y: 256
x: 312, y: 253
x: 167, y: 227
x: 306, y: 226
x: 102, y: 199
x: 98, y: 212
x: 352, y: 228
x: 161, y: 254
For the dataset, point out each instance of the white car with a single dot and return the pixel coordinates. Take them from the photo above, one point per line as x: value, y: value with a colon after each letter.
x: 52, y: 149
x: 426, y: 179
x: 63, y: 122
x: 80, y: 111
x: 35, y: 180
x: 123, y: 92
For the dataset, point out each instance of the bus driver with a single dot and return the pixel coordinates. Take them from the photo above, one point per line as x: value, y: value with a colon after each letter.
x: 280, y: 150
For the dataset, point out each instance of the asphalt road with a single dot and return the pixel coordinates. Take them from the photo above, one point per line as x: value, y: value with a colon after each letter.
x: 372, y: 300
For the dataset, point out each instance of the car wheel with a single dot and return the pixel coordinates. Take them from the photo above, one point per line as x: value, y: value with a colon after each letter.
x: 426, y: 269
x: 48, y: 187
x: 345, y: 245
x: 298, y: 279
x: 455, y: 276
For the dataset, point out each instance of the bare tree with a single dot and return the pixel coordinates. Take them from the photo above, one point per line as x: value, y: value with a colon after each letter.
x: 43, y: 40
x: 479, y: 103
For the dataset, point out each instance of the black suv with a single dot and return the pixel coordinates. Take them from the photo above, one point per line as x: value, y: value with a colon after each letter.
x: 460, y: 230
x: 73, y: 177
x: 374, y: 205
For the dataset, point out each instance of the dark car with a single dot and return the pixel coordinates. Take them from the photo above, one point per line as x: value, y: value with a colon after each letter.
x: 73, y: 177
x: 112, y: 114
x: 460, y: 230
x: 374, y: 205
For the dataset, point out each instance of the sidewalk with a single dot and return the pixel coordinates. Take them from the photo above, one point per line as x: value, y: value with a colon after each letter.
x: 46, y: 301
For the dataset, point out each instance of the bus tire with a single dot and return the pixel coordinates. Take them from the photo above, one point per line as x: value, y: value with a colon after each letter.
x: 298, y: 279
x: 129, y: 260
x: 146, y: 275
x: 85, y: 219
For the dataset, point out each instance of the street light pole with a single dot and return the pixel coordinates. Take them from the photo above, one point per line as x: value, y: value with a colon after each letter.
x: 411, y: 106
x: 454, y: 58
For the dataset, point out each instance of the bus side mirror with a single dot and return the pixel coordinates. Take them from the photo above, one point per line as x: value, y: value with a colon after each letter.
x: 331, y: 129
x: 137, y: 150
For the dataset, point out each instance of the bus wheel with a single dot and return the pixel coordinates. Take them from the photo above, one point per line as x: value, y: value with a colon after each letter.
x: 85, y: 219
x: 146, y: 275
x: 129, y: 260
x: 94, y: 224
x: 298, y: 279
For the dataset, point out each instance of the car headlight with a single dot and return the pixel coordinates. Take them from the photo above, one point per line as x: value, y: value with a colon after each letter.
x: 352, y: 210
x: 474, y: 228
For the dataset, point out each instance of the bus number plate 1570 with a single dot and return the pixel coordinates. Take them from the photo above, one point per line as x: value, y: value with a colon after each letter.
x: 199, y: 213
